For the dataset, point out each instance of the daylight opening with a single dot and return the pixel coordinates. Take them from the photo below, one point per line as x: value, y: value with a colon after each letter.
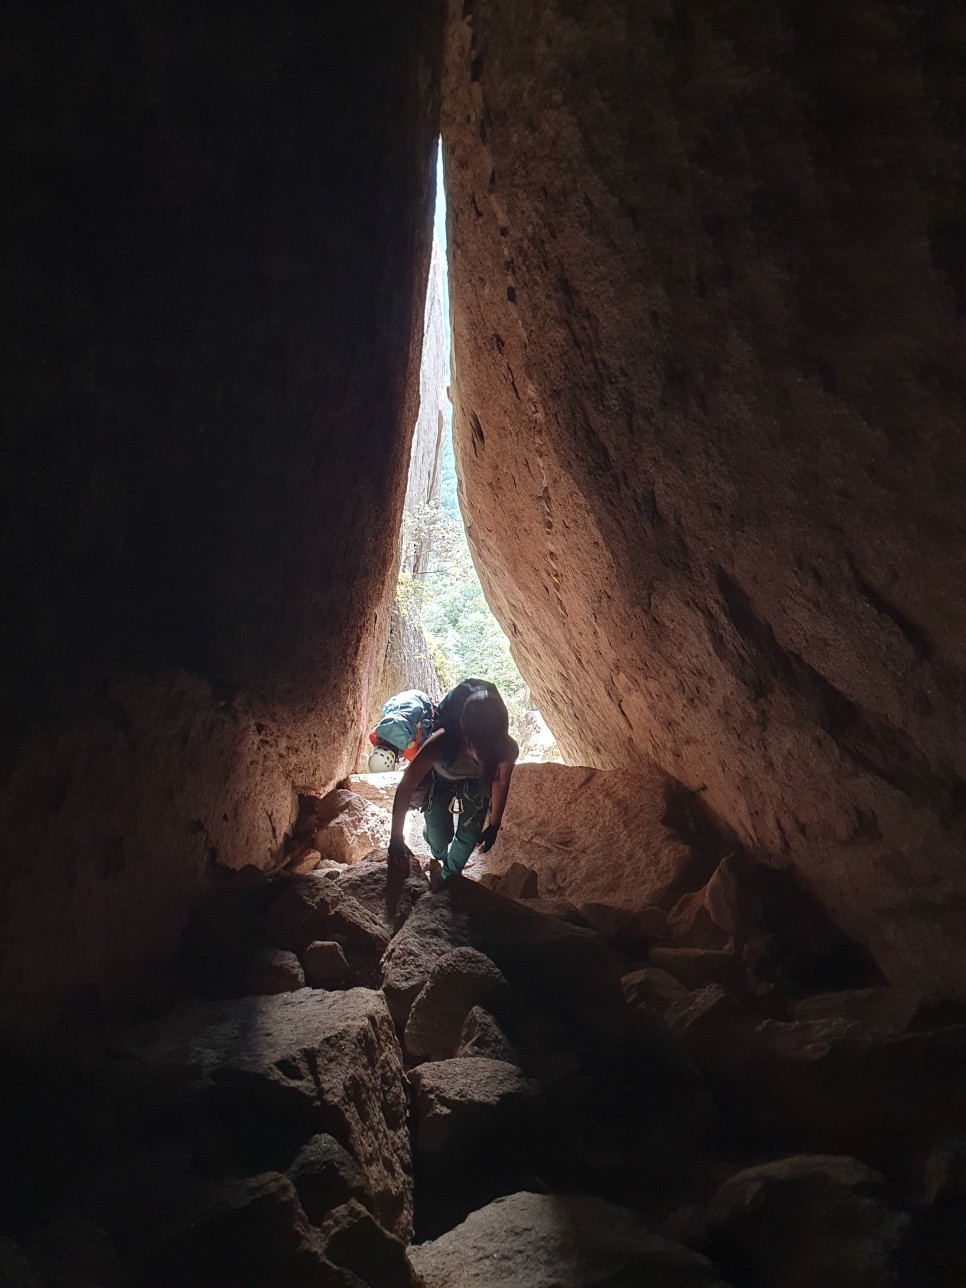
x: 444, y: 628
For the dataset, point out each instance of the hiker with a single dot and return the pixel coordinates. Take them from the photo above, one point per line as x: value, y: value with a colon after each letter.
x: 467, y: 759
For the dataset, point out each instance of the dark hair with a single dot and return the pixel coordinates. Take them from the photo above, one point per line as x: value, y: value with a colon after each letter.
x: 485, y: 725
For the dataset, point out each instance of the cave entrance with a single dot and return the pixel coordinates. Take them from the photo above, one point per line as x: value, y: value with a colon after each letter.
x: 442, y: 625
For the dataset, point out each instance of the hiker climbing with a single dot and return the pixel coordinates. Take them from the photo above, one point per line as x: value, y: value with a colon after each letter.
x: 461, y: 769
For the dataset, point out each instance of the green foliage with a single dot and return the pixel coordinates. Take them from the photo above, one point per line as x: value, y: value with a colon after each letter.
x: 464, y: 637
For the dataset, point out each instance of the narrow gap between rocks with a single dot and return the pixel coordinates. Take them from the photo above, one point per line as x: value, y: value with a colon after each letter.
x: 442, y: 627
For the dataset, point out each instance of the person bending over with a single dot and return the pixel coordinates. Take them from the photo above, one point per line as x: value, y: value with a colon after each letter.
x: 468, y: 760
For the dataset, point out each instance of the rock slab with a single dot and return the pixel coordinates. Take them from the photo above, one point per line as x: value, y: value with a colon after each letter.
x: 807, y: 1220
x: 554, y: 1241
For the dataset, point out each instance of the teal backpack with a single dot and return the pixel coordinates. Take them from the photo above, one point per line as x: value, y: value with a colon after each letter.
x: 406, y: 720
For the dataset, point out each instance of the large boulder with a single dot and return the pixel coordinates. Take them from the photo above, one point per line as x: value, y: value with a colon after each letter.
x: 437, y: 926
x: 557, y: 1241
x: 386, y: 893
x: 459, y: 981
x: 887, y: 1011
x: 564, y: 969
x: 362, y: 936
x: 633, y: 930
x: 192, y: 625
x: 590, y: 836
x: 481, y: 1035
x: 469, y: 1108
x: 348, y: 827
x: 274, y: 971
x: 299, y: 910
x: 807, y: 1220
x: 326, y: 965
x: 306, y: 1061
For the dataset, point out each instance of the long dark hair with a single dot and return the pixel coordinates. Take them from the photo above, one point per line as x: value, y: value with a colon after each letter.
x: 485, y: 726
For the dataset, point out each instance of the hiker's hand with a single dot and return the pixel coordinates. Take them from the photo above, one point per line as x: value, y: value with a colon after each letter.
x: 399, y: 852
x: 487, y: 837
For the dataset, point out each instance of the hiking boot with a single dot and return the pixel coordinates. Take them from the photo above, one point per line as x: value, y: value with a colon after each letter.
x: 436, y: 877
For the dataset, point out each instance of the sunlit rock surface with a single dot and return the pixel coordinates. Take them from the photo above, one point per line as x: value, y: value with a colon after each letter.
x: 709, y: 397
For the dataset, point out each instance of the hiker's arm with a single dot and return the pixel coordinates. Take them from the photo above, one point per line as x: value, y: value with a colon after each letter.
x: 500, y: 789
x: 416, y: 771
x: 501, y: 786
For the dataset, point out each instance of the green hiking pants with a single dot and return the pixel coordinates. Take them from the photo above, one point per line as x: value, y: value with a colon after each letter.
x: 451, y: 842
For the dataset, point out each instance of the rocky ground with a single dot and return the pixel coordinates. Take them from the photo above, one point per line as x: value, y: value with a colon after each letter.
x: 354, y: 1081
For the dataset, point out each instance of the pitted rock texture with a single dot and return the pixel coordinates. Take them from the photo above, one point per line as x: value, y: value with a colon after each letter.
x: 469, y: 1107
x: 349, y: 827
x: 204, y: 453
x: 708, y: 359
x: 590, y: 835
x: 562, y: 968
x: 556, y: 1241
x: 326, y: 1058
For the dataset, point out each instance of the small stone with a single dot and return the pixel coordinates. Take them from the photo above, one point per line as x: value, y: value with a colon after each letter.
x: 517, y: 882
x: 303, y: 862
x: 654, y: 988
x: 482, y: 1037
x: 460, y: 980
x: 326, y: 965
x: 356, y: 928
x: 627, y: 926
x: 691, y: 924
x: 731, y: 899
x: 275, y: 971
x: 697, y: 967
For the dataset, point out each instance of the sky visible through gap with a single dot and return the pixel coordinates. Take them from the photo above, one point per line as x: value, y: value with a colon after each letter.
x: 463, y: 636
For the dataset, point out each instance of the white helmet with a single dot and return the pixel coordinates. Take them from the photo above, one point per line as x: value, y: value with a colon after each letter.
x: 381, y: 761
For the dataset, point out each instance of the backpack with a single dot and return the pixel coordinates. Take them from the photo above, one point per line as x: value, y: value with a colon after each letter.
x: 407, y: 718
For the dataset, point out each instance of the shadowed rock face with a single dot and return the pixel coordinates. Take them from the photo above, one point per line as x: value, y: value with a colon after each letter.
x: 707, y: 307
x: 220, y: 240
